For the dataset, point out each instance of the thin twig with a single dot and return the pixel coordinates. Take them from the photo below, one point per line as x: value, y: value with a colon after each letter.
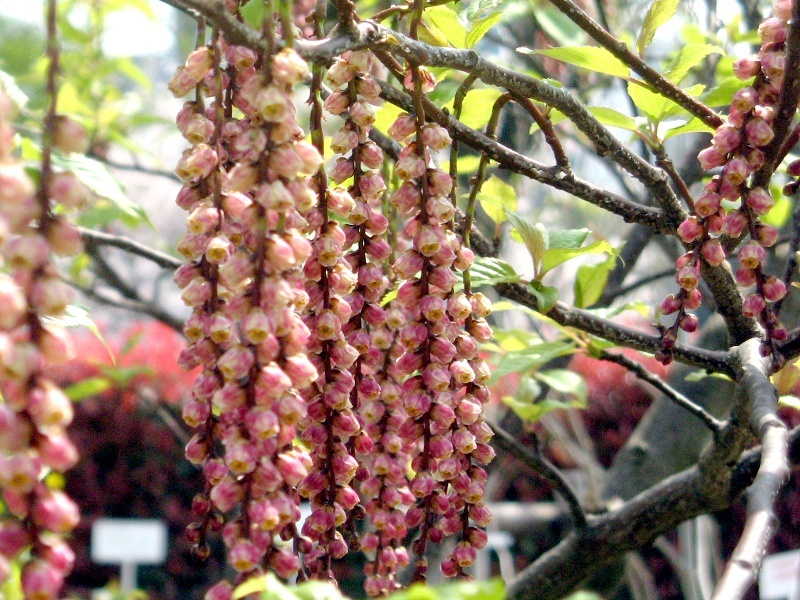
x: 140, y: 307
x: 698, y: 411
x: 652, y: 77
x: 544, y: 468
x: 100, y: 238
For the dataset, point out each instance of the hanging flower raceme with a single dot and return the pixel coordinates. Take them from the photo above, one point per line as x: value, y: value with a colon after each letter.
x: 34, y: 411
x: 736, y: 147
x: 246, y: 189
x: 448, y: 442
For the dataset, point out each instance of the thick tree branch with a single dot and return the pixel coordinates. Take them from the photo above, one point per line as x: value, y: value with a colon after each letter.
x: 741, y: 571
x: 637, y: 523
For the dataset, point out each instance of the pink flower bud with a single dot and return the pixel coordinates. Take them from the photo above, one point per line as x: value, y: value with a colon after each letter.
x: 727, y: 138
x: 402, y: 127
x: 362, y: 113
x: 772, y: 30
x: 41, y: 580
x: 760, y: 201
x: 773, y: 288
x: 767, y: 235
x: 734, y: 224
x: 435, y: 136
x: 226, y: 494
x: 759, y: 132
x: 337, y: 102
x: 751, y: 254
x: 713, y: 252
x: 711, y: 157
x: 753, y: 305
x: 745, y: 99
x: 737, y: 170
x: 747, y: 67
x: 687, y: 277
x: 745, y: 277
x: 690, y: 230
x: 55, y: 512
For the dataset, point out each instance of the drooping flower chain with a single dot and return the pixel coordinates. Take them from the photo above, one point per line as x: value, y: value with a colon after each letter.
x: 377, y: 395
x: 34, y: 411
x: 737, y: 148
x: 440, y: 359
x: 245, y: 285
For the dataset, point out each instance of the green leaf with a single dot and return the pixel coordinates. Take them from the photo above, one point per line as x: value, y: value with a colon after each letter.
x: 317, y: 590
x: 655, y: 105
x: 592, y: 58
x: 122, y: 376
x: 566, y: 238
x: 722, y: 93
x: 532, y: 412
x: 479, y: 18
x: 565, y: 381
x: 551, y: 258
x: 533, y: 357
x: 481, y: 28
x: 591, y: 281
x: 476, y: 110
x: 613, y: 118
x: 491, y: 271
x: 94, y: 175
x: 693, y: 125
x: 253, y: 13
x: 92, y: 386
x: 533, y: 236
x: 496, y: 198
x: 659, y: 13
x: 546, y: 296
x: 446, y: 20
x: 558, y: 26
x: 688, y: 57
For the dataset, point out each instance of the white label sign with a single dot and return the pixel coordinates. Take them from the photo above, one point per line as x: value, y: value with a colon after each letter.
x: 780, y: 576
x: 138, y: 541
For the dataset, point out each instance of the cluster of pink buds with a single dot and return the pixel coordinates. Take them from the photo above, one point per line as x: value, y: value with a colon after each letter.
x: 344, y: 292
x: 246, y: 187
x: 737, y: 147
x: 443, y: 389
x: 34, y: 411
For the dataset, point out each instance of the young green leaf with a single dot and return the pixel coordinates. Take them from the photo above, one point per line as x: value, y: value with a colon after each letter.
x: 552, y: 257
x: 688, y: 57
x: 668, y: 129
x: 87, y: 388
x: 566, y: 238
x: 476, y: 109
x: 253, y: 13
x: 533, y: 236
x: 497, y: 197
x: 659, y: 13
x: 613, y: 118
x: 565, y: 381
x: 446, y: 20
x: 592, y: 58
x: 531, y: 358
x: 491, y: 271
x: 591, y: 281
x: 546, y: 296
x: 481, y: 27
x: 479, y: 17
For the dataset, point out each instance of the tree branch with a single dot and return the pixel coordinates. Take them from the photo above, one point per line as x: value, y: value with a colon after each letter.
x: 670, y: 392
x: 544, y: 468
x: 715, y: 362
x: 99, y: 238
x: 620, y: 50
x: 743, y: 567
